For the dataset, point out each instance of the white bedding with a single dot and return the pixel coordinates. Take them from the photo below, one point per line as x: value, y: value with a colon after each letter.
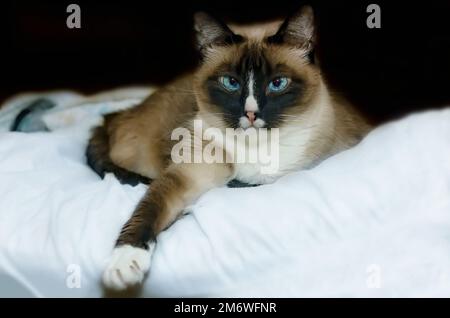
x: 372, y: 221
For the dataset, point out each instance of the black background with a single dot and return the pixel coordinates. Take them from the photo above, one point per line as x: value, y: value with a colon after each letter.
x: 387, y: 72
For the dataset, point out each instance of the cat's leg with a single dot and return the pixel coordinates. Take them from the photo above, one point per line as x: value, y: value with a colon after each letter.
x: 167, y: 197
x: 99, y: 159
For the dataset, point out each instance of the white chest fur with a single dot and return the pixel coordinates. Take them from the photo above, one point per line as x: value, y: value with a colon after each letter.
x: 264, y: 163
x: 273, y: 162
x: 294, y: 145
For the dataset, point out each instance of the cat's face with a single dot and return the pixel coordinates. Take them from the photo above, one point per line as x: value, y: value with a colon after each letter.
x: 257, y: 80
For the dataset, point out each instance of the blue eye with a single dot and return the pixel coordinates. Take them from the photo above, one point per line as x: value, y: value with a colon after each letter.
x: 278, y: 84
x: 229, y: 83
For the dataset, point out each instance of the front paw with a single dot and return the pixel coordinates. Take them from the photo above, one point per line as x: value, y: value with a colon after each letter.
x: 127, y: 267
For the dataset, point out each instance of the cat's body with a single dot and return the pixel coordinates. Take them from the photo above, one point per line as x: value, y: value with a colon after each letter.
x: 251, y: 80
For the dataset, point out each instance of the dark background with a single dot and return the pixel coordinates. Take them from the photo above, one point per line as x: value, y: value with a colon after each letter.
x: 387, y: 72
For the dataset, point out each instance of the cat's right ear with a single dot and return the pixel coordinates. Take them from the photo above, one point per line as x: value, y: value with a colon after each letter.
x: 212, y: 32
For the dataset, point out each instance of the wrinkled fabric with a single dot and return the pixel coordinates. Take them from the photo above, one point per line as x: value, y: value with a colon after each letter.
x: 372, y: 221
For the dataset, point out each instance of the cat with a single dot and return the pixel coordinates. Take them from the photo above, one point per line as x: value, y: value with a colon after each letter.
x: 256, y: 77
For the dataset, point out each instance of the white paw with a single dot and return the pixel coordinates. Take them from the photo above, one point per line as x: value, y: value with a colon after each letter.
x: 127, y: 267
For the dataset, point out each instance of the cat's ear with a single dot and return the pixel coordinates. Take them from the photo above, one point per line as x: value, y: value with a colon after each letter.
x: 297, y: 30
x: 211, y: 32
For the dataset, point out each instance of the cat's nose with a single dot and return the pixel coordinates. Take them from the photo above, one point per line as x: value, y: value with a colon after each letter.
x: 251, y: 116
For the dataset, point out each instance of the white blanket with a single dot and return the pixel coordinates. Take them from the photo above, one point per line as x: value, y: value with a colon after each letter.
x: 371, y: 221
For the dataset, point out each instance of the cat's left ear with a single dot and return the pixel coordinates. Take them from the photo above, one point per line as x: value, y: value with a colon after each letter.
x: 298, y: 30
x: 212, y: 32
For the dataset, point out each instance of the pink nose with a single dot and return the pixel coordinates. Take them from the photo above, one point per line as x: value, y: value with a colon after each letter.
x: 251, y: 116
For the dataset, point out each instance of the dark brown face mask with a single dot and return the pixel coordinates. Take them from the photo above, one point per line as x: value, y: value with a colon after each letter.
x: 253, y: 88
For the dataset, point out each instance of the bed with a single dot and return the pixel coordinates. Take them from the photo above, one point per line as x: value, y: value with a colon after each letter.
x: 372, y: 221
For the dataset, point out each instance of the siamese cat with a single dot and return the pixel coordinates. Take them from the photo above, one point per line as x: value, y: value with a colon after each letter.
x: 256, y: 77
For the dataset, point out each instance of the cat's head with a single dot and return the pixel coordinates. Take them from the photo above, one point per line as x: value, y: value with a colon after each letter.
x: 260, y: 76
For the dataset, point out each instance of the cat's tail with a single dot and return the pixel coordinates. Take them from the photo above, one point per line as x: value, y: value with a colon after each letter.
x: 97, y: 154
